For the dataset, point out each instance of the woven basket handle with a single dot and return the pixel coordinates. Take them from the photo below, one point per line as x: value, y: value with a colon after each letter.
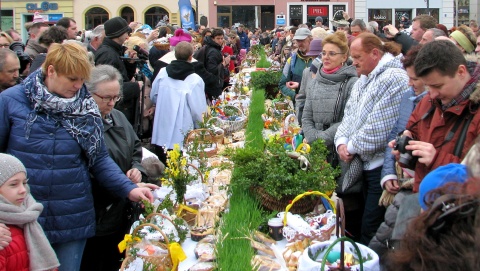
x: 139, y: 227
x: 201, y: 132
x: 198, y: 170
x: 238, y: 109
x: 342, y: 254
x: 297, y: 198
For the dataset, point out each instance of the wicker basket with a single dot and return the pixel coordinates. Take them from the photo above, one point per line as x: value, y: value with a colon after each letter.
x: 302, y: 206
x: 230, y: 126
x: 162, y: 46
x: 321, y: 234
x: 163, y: 262
x: 203, y: 137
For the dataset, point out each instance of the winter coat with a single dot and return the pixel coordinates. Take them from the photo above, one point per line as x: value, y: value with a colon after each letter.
x: 59, y: 176
x: 109, y: 53
x: 244, y: 40
x: 380, y: 242
x: 125, y: 149
x: 33, y: 49
x: 434, y: 128
x: 408, y: 103
x: 212, y: 59
x: 15, y: 255
x: 293, y: 71
x: 307, y: 78
x: 322, y: 94
x: 372, y: 110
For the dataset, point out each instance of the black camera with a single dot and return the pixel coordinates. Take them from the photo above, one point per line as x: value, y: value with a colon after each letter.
x: 406, y: 156
x: 24, y: 58
x: 231, y: 56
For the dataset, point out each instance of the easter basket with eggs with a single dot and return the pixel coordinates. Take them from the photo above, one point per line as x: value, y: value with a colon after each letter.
x: 318, y: 227
x: 341, y: 253
x: 229, y: 118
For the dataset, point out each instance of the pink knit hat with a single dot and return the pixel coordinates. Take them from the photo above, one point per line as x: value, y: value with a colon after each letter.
x: 37, y: 18
x: 180, y: 36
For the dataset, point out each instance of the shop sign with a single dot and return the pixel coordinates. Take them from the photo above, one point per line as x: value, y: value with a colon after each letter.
x: 54, y: 17
x: 44, y: 6
x: 379, y: 17
x: 280, y: 20
x: 317, y: 11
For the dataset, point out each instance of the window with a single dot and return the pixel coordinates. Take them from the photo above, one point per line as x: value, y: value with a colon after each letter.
x: 6, y: 19
x: 127, y: 14
x: 154, y: 15
x: 94, y: 17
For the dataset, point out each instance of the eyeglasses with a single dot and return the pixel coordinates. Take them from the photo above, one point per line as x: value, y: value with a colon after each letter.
x: 4, y: 45
x: 109, y: 99
x: 331, y: 54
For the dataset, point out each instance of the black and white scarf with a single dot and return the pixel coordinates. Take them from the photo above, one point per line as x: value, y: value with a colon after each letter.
x: 78, y: 115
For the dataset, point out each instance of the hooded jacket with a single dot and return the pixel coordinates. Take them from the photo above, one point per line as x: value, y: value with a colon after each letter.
x: 179, y: 95
x: 372, y: 110
x: 434, y: 128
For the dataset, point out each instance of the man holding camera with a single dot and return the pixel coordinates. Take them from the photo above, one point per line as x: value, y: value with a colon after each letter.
x: 445, y: 123
x: 9, y: 68
x: 111, y: 52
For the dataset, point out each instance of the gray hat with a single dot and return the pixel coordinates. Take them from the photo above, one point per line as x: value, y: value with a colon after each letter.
x: 319, y: 19
x: 9, y: 166
x: 302, y: 33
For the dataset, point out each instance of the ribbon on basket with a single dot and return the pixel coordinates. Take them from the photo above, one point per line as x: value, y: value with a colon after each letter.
x: 183, y: 207
x: 325, y: 199
x: 126, y: 239
x: 177, y: 254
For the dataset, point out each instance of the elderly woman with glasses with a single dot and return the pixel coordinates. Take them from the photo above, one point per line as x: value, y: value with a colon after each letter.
x: 327, y: 95
x: 125, y: 148
x: 52, y: 124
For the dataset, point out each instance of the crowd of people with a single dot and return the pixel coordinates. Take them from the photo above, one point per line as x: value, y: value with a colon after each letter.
x: 397, y: 108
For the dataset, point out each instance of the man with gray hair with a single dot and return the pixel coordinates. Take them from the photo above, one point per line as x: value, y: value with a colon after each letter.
x: 358, y: 27
x: 96, y: 38
x: 9, y: 68
x: 431, y: 34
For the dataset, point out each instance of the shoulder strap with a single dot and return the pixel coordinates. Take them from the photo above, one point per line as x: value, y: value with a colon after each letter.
x: 463, y: 134
x: 339, y: 98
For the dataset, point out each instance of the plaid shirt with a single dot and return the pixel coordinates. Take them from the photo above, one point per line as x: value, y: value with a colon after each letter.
x: 469, y: 88
x: 372, y: 110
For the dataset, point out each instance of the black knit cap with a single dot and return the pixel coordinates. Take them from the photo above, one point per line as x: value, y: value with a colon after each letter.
x: 115, y: 27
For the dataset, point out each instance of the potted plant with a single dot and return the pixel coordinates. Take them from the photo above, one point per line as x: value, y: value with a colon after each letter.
x: 267, y: 80
x: 276, y: 178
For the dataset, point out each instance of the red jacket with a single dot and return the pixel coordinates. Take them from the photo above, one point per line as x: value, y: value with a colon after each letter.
x: 15, y: 256
x: 434, y: 129
x: 229, y: 50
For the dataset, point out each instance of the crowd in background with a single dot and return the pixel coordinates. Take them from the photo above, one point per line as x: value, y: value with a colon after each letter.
x: 397, y: 108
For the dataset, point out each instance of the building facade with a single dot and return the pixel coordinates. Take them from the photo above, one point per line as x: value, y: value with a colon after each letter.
x: 15, y: 13
x: 267, y: 14
x: 445, y: 11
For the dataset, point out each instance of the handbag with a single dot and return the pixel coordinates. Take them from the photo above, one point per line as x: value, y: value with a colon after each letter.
x: 349, y: 181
